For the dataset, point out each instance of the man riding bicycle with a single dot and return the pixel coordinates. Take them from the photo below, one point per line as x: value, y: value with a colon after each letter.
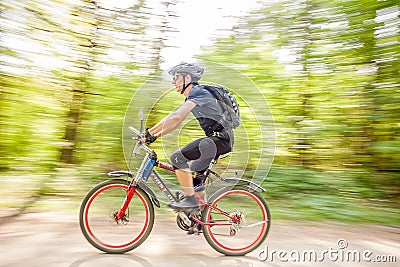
x: 219, y: 136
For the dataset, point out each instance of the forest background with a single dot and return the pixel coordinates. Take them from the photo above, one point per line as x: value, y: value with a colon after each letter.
x: 329, y: 71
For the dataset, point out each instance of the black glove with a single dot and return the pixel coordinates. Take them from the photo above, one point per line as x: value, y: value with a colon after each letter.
x: 151, y: 139
x: 147, y: 133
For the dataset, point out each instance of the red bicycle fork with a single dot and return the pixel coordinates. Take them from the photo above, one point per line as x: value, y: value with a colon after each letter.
x: 130, y: 192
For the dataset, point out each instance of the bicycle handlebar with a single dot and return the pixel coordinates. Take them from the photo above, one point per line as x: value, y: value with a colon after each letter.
x: 139, y: 135
x: 135, y: 131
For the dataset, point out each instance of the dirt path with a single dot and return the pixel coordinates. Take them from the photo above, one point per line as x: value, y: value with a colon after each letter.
x: 45, y: 239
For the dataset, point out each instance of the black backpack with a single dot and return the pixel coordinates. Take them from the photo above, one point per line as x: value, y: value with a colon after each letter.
x: 228, y: 103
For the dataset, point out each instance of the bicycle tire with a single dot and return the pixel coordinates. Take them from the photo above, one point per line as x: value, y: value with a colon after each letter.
x: 236, y: 239
x: 98, y: 225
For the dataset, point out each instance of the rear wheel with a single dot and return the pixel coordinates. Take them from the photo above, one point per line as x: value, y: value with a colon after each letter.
x: 244, y: 229
x: 100, y: 226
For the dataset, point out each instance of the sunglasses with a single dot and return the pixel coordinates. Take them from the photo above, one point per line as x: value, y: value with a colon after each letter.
x: 176, y: 76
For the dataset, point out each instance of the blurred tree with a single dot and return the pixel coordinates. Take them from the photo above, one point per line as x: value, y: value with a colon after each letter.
x: 85, y: 24
x: 25, y: 47
x: 74, y: 48
x: 337, y: 97
x: 328, y: 69
x: 369, y: 41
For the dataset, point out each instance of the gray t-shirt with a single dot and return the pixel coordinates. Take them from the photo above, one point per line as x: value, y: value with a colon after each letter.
x: 207, y: 110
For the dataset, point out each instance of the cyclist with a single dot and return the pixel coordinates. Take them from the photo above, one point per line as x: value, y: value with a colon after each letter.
x: 219, y: 137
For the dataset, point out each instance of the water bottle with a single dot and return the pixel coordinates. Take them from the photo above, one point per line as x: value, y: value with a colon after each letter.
x: 147, y: 169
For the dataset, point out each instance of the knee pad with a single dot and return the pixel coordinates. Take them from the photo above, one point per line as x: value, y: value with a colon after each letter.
x: 179, y: 161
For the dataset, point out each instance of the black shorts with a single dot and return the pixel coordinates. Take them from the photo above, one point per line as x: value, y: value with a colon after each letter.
x: 200, y: 152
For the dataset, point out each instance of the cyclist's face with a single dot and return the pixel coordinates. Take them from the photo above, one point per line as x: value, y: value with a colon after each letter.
x: 177, y: 80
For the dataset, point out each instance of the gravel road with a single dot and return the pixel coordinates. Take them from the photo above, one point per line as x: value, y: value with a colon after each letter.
x: 52, y: 239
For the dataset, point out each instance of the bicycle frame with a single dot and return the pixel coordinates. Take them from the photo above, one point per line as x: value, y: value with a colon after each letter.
x: 146, y: 170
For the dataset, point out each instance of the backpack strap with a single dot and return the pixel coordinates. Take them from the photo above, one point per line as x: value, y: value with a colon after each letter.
x: 225, y: 105
x: 221, y: 101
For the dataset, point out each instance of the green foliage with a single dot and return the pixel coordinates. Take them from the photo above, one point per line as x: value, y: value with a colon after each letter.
x: 329, y: 70
x: 338, y: 195
x: 30, y: 120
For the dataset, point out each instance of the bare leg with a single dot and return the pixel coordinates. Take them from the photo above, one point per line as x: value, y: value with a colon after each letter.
x: 185, y: 180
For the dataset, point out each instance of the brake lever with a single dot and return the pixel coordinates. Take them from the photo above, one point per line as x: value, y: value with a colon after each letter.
x: 138, y: 144
x: 141, y: 118
x: 136, y: 149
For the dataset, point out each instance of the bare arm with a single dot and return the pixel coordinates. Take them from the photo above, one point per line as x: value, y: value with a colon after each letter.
x: 173, y: 120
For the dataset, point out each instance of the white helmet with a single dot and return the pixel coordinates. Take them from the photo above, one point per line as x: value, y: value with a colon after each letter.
x: 194, y: 70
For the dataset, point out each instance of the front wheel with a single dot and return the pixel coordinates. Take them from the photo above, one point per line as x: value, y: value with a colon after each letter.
x: 239, y: 221
x: 97, y: 217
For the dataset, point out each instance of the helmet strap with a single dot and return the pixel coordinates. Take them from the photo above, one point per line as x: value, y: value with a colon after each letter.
x: 184, y: 83
x: 185, y: 86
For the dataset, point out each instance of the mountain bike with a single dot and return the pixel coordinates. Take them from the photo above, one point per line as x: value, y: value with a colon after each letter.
x: 117, y: 215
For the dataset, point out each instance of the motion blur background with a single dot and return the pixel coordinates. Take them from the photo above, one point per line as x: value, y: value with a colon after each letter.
x: 328, y: 69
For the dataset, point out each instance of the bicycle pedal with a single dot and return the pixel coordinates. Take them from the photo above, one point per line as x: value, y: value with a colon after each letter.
x: 190, y: 232
x: 193, y: 231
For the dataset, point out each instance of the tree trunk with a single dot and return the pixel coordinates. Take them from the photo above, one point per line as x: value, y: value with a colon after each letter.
x: 72, y: 123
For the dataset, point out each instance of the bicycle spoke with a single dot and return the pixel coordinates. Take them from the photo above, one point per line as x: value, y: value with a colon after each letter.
x: 255, y: 224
